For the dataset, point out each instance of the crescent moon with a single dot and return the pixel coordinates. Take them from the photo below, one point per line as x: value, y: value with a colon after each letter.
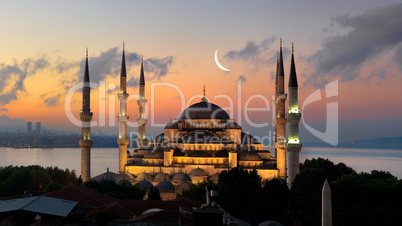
x: 217, y: 62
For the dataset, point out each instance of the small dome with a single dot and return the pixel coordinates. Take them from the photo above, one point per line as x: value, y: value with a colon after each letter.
x: 181, y: 177
x: 154, y: 153
x: 214, y: 178
x: 106, y: 176
x: 144, y: 184
x: 181, y: 187
x: 143, y: 176
x: 122, y: 181
x: 200, y: 154
x: 198, y: 172
x: 222, y: 153
x: 249, y: 156
x: 165, y: 185
x: 172, y: 125
x: 161, y: 177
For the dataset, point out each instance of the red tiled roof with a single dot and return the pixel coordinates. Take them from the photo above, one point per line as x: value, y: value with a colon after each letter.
x: 84, y: 196
x: 166, y: 216
x: 7, y: 198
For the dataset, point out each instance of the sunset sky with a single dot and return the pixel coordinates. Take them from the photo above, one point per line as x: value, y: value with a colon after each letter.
x: 358, y: 43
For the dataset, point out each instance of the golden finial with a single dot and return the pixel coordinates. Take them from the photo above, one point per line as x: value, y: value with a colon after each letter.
x: 204, y: 90
x: 292, y: 48
x: 124, y: 46
x: 87, y: 52
x: 142, y: 59
x: 281, y: 42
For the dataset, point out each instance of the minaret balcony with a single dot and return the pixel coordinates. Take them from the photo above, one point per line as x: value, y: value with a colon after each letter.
x: 141, y: 102
x: 86, y: 143
x: 294, y: 147
x: 293, y: 117
x: 86, y: 116
x: 281, y: 98
x: 122, y: 96
x: 123, y: 142
x: 281, y: 143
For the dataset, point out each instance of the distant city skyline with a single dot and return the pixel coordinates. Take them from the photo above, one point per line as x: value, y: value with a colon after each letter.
x: 358, y: 43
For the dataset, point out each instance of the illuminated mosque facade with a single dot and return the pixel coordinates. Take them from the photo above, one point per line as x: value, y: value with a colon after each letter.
x: 200, y: 143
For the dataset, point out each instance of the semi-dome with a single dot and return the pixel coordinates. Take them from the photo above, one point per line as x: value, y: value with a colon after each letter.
x: 154, y: 153
x: 249, y: 156
x: 198, y: 172
x: 145, y: 184
x: 143, y: 176
x: 165, y: 185
x: 182, y: 186
x: 161, y: 177
x: 214, y: 178
x: 204, y: 110
x: 181, y: 177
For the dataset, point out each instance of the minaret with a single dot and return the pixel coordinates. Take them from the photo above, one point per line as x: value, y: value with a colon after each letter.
x: 280, y: 119
x: 86, y: 117
x: 142, y: 142
x: 294, y: 145
x: 123, y: 117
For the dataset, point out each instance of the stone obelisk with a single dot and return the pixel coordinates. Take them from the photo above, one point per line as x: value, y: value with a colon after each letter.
x: 326, y: 214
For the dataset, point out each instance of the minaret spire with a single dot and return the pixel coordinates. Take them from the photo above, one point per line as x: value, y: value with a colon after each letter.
x: 86, y: 117
x: 142, y: 79
x: 123, y: 141
x: 293, y: 117
x: 292, y: 74
x: 86, y: 70
x: 142, y: 141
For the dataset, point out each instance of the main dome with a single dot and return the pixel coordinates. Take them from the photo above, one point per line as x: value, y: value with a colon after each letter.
x: 204, y: 110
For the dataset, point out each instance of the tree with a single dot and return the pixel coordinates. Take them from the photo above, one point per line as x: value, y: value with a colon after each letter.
x: 33, y: 180
x: 275, y: 201
x: 154, y: 194
x: 122, y: 191
x: 357, y: 199
x: 239, y: 192
x: 197, y: 191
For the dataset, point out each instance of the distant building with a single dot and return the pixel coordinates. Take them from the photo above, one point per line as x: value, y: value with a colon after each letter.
x: 29, y: 127
x: 38, y: 127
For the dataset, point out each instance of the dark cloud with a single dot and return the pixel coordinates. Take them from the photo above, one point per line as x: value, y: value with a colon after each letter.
x: 12, y: 77
x: 369, y: 35
x: 107, y: 63
x: 3, y: 109
x: 251, y: 50
x: 242, y: 78
x: 398, y: 56
x: 133, y: 82
x: 50, y: 99
x: 158, y: 66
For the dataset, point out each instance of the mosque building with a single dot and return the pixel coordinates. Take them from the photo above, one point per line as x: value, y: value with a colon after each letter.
x: 204, y: 141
